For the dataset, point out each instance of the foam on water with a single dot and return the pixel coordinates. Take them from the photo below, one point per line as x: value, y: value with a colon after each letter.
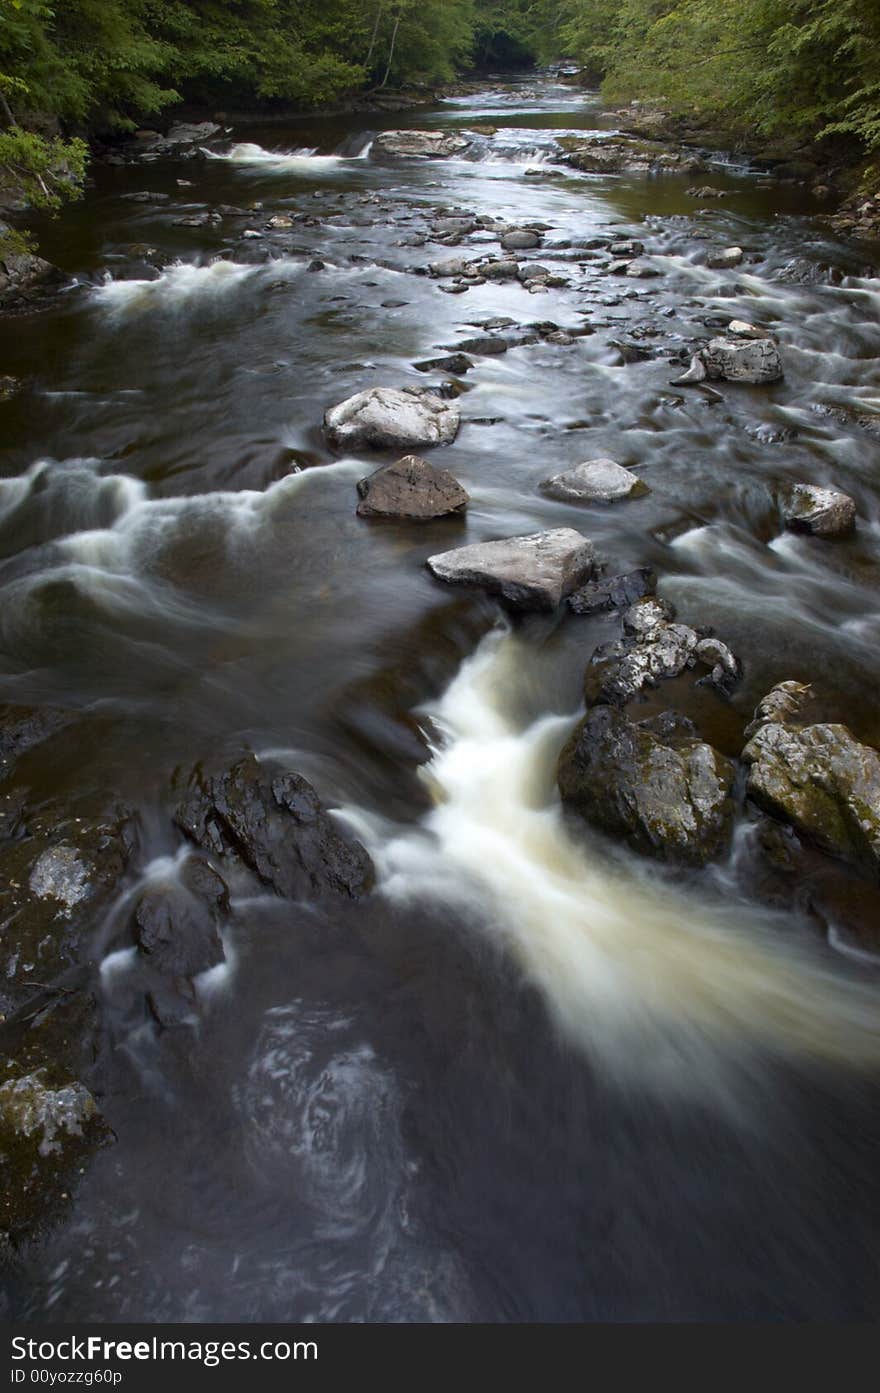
x: 641, y: 974
x: 184, y: 283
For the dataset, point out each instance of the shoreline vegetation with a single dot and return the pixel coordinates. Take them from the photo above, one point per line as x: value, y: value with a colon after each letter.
x: 797, y: 81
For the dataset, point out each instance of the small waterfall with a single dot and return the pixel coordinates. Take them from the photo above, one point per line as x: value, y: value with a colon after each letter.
x: 640, y: 973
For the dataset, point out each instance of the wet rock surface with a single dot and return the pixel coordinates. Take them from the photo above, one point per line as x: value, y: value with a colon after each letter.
x: 613, y: 592
x: 435, y: 145
x: 59, y: 873
x: 824, y: 512
x: 384, y: 418
x: 535, y: 571
x: 653, y: 647
x: 752, y: 361
x: 595, y: 481
x: 274, y: 824
x: 411, y: 488
x: 49, y: 1125
x: 667, y: 794
x: 817, y: 778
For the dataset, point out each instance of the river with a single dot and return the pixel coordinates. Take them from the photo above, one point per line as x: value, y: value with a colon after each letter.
x: 532, y: 1077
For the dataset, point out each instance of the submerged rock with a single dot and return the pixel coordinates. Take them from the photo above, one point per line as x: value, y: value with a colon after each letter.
x: 385, y: 418
x: 57, y: 877
x: 595, y: 481
x: 667, y: 794
x: 434, y: 145
x: 49, y: 1125
x: 275, y: 824
x: 411, y: 488
x: 531, y: 572
x: 819, y: 779
x: 22, y: 728
x: 824, y: 512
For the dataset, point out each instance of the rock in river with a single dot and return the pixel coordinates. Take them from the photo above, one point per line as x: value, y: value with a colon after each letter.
x: 385, y: 418
x: 726, y: 259
x: 595, y: 481
x: 410, y: 488
x: 820, y: 780
x: 49, y: 1124
x: 822, y: 511
x: 275, y: 824
x: 667, y: 794
x: 427, y: 144
x: 654, y: 648
x: 531, y: 572
x: 612, y: 592
x: 742, y: 360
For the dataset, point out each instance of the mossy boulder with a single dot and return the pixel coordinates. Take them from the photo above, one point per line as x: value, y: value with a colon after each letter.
x: 821, y: 781
x: 653, y: 783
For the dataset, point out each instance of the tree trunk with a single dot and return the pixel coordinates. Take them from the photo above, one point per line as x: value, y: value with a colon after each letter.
x: 6, y: 109
x: 379, y: 12
x: 384, y: 81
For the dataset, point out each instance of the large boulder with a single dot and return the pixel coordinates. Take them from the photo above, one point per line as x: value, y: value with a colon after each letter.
x: 824, y: 512
x: 532, y: 572
x: 274, y: 824
x: 820, y: 780
x: 742, y: 360
x: 21, y: 272
x: 191, y: 132
x: 411, y: 488
x: 654, y: 647
x: 595, y: 481
x: 655, y: 784
x: 384, y: 418
x: 435, y: 145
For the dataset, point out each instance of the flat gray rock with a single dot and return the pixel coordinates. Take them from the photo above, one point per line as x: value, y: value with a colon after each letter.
x: 411, y: 488
x: 595, y: 481
x: 423, y: 144
x: 531, y: 572
x: 385, y: 418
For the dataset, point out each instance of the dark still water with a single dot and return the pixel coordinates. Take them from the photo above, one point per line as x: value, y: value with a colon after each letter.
x: 531, y: 1078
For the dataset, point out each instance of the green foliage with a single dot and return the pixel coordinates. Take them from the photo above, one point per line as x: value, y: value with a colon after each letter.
x: 797, y: 68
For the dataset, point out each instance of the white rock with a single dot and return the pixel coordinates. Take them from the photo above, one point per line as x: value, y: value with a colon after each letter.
x: 822, y: 511
x: 725, y: 260
x: 737, y: 360
x: 388, y: 419
x: 595, y: 481
x: 532, y: 572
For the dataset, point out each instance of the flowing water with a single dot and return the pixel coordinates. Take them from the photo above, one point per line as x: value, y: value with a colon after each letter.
x: 532, y: 1078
